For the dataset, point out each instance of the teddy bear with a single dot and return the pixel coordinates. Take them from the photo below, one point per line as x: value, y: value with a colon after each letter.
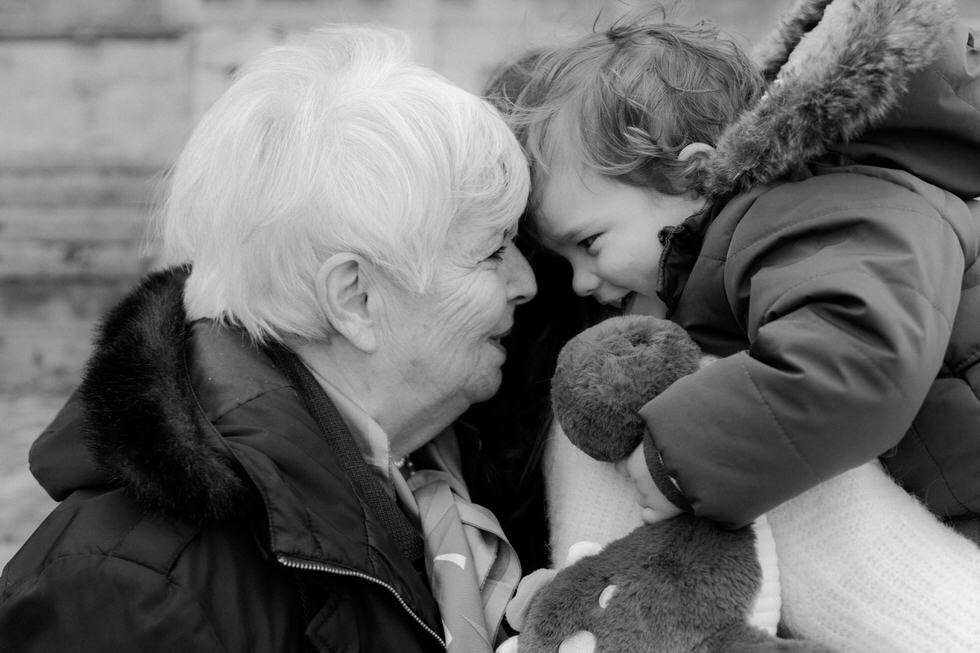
x: 683, y: 584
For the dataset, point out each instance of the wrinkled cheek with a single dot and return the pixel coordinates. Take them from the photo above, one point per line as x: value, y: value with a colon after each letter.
x: 438, y: 361
x: 454, y: 322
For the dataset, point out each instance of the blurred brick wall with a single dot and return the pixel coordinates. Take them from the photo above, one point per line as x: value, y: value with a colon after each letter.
x: 97, y: 97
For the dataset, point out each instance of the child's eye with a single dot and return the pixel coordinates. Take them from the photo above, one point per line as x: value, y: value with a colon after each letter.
x: 586, y: 243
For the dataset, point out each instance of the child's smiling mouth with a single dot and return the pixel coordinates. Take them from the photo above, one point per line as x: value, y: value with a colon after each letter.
x: 623, y: 303
x: 626, y: 301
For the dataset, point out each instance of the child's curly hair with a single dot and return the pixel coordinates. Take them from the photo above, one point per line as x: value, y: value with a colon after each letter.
x: 623, y: 102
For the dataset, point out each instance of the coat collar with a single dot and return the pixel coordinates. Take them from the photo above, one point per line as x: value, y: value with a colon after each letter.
x: 183, y: 415
x: 144, y: 427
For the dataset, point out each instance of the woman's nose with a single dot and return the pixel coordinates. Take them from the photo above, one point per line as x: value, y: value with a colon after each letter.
x: 521, y: 284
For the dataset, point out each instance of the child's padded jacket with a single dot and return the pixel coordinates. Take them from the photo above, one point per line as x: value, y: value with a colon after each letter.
x: 836, y: 271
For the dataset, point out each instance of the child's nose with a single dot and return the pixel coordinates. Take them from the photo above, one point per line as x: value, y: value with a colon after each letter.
x: 584, y: 283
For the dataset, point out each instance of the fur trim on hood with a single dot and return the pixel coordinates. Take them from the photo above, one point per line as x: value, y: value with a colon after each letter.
x: 142, y: 421
x: 835, y: 68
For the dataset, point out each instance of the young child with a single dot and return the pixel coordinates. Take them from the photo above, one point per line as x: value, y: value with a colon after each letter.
x: 805, y: 222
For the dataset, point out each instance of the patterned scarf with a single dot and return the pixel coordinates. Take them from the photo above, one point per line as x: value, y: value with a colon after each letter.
x: 472, y: 567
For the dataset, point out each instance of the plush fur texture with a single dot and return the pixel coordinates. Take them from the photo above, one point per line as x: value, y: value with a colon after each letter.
x: 835, y: 69
x: 607, y: 372
x: 143, y: 424
x: 660, y: 601
x: 684, y: 584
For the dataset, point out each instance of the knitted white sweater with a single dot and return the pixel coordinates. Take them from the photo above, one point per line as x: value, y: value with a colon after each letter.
x: 863, y: 566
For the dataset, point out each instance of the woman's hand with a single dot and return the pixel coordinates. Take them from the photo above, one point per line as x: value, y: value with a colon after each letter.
x: 656, y: 507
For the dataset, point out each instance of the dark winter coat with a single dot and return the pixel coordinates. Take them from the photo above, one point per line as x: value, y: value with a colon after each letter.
x: 840, y: 283
x: 209, y: 511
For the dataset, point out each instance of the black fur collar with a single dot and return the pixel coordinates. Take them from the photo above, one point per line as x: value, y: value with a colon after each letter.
x: 143, y: 424
x: 835, y: 68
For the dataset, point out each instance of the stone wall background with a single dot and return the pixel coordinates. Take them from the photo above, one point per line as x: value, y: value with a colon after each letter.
x: 96, y: 99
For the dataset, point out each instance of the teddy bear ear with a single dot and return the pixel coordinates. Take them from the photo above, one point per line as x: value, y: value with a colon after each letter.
x: 606, y: 373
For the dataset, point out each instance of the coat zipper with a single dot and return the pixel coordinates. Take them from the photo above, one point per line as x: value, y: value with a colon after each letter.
x: 307, y: 565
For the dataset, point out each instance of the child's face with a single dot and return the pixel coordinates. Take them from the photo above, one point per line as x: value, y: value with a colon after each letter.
x: 608, y: 231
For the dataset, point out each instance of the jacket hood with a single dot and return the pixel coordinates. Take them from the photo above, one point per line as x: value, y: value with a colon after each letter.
x: 144, y: 429
x: 885, y: 82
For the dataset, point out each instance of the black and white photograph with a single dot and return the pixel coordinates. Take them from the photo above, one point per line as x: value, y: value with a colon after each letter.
x: 490, y: 326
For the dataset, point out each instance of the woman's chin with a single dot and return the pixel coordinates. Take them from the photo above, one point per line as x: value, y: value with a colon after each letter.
x: 487, y: 386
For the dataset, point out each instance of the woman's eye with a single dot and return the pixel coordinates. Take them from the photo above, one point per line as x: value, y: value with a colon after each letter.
x: 586, y: 243
x: 498, y: 255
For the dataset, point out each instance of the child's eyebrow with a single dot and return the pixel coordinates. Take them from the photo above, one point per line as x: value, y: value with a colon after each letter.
x: 569, y: 235
x: 552, y: 235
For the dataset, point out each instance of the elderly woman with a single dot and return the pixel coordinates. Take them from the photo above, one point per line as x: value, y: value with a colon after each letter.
x: 260, y: 455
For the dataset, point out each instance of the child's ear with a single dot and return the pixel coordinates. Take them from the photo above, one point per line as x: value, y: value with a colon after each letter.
x: 343, y: 286
x: 695, y: 149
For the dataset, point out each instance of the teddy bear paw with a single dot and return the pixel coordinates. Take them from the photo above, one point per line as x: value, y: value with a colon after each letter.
x: 581, y: 642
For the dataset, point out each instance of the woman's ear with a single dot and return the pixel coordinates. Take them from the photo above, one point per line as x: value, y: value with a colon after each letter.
x: 343, y: 287
x: 695, y: 149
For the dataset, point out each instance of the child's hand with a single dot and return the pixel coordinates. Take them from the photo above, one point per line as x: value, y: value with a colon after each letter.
x: 656, y: 507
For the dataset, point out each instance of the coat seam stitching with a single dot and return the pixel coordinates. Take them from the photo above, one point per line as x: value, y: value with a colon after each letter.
x: 779, y: 426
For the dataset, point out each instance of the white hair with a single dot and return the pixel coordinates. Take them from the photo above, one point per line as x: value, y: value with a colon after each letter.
x: 338, y: 143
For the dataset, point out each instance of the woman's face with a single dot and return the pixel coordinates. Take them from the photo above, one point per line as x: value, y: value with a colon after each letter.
x: 446, y: 342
